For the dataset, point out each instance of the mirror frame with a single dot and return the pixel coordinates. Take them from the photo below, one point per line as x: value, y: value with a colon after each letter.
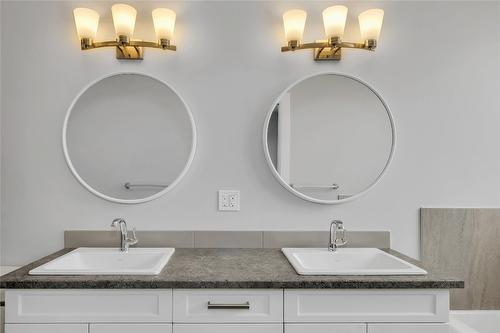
x: 300, y: 194
x: 128, y: 201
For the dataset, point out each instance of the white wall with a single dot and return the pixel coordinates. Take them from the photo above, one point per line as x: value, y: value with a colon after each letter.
x: 437, y: 66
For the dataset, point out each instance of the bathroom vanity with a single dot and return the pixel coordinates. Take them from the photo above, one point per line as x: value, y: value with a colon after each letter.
x: 226, y: 290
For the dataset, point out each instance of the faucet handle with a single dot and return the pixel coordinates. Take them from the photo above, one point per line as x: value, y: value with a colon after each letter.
x: 133, y: 240
x: 116, y: 221
x: 342, y: 240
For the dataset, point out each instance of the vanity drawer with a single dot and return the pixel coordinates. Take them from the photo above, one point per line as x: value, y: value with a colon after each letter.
x: 88, y: 305
x: 325, y: 328
x: 411, y: 328
x: 46, y: 328
x: 383, y: 305
x: 228, y: 306
x: 228, y: 328
x: 130, y: 328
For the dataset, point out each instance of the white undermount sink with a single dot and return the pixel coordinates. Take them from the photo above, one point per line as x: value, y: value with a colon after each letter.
x: 348, y: 261
x: 107, y: 261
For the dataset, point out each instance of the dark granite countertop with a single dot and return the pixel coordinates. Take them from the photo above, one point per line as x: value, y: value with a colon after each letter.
x: 226, y: 268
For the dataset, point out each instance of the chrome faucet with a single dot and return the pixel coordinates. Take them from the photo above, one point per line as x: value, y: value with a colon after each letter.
x: 337, y: 226
x: 125, y: 240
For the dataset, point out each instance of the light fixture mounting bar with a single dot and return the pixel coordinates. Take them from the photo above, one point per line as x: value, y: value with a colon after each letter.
x: 327, y: 50
x: 131, y: 50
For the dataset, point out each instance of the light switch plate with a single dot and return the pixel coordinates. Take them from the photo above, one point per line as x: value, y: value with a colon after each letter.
x: 229, y: 200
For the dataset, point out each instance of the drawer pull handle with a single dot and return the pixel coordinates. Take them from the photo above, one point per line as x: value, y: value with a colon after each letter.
x: 242, y: 306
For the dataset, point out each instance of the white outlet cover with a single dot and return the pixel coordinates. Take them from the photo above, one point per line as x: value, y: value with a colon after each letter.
x: 229, y: 200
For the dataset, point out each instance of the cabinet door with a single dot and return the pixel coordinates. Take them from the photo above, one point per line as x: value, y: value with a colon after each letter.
x: 325, y: 328
x: 228, y: 328
x: 366, y: 306
x: 88, y: 306
x: 46, y: 328
x: 410, y: 328
x: 130, y: 328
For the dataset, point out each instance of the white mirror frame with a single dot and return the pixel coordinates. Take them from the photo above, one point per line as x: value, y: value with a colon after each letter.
x: 128, y: 201
x: 300, y: 194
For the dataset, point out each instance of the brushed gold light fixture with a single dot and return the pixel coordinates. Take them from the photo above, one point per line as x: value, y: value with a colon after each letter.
x: 334, y: 19
x: 87, y: 20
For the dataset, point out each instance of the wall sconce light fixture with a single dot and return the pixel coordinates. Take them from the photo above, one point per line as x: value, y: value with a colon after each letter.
x: 334, y: 19
x: 87, y: 20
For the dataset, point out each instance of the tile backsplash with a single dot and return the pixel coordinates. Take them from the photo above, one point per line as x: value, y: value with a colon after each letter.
x: 227, y: 239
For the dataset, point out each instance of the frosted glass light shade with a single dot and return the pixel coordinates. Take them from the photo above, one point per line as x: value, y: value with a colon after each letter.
x: 86, y: 21
x: 370, y: 23
x: 124, y: 19
x: 164, y: 22
x: 294, y: 21
x: 334, y: 19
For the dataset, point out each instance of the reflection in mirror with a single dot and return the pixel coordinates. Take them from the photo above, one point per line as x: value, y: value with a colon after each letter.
x: 329, y: 138
x: 128, y: 138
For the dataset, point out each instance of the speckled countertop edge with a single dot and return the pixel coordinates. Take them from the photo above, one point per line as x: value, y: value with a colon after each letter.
x: 226, y: 268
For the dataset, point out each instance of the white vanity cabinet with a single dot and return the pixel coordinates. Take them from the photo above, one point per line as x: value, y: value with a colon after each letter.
x: 366, y: 311
x: 130, y: 328
x: 89, y: 328
x: 38, y: 306
x: 325, y: 328
x: 368, y: 305
x: 227, y: 306
x: 228, y: 328
x: 412, y: 328
x: 88, y: 311
x: 227, y: 310
x: 46, y: 328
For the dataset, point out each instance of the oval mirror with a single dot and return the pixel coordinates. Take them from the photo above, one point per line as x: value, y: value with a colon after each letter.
x: 129, y: 138
x: 329, y: 138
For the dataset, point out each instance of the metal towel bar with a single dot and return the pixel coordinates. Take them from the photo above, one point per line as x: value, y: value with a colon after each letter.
x: 130, y: 186
x: 314, y: 187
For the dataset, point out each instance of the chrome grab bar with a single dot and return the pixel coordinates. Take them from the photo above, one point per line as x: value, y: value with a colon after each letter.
x: 313, y: 187
x: 130, y: 186
x: 241, y: 306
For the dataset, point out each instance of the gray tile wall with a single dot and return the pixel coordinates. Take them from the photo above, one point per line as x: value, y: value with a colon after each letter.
x: 109, y: 238
x: 279, y: 239
x: 228, y: 239
x: 465, y: 242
